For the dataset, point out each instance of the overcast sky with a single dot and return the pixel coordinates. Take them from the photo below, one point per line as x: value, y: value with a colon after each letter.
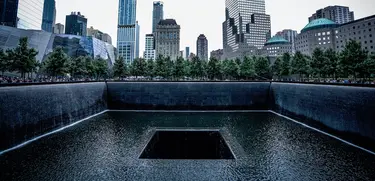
x: 202, y: 16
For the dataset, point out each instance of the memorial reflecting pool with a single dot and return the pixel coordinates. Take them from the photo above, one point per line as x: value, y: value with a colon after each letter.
x: 265, y: 147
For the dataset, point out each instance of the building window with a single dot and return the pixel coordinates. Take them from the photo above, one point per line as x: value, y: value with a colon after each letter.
x: 324, y: 38
x: 372, y: 47
x: 324, y: 33
x: 353, y: 27
x: 319, y: 34
x: 369, y: 29
x: 369, y: 23
x: 328, y: 33
x: 319, y: 39
x: 365, y: 42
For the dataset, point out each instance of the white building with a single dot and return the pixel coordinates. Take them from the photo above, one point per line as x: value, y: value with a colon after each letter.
x: 149, y: 53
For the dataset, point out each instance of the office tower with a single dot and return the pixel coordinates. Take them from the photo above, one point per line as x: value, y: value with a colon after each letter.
x: 338, y: 14
x: 290, y: 36
x: 202, y: 47
x: 99, y: 35
x: 149, y: 53
x: 187, y: 52
x: 23, y: 14
x: 49, y: 15
x: 157, y: 14
x: 167, y: 37
x: 127, y: 31
x: 76, y: 24
x: 217, y: 54
x: 246, y: 27
x: 59, y: 28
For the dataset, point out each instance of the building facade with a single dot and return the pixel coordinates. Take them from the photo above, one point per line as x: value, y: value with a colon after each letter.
x: 167, y: 39
x: 276, y: 47
x: 99, y: 35
x: 318, y: 33
x: 128, y: 31
x: 202, y: 47
x: 246, y: 27
x: 326, y: 34
x: 23, y: 14
x: 361, y: 30
x: 187, y: 53
x: 338, y: 14
x: 217, y: 54
x: 290, y: 36
x: 59, y: 29
x: 76, y: 24
x: 44, y: 42
x: 157, y: 14
x: 49, y: 15
x: 149, y: 53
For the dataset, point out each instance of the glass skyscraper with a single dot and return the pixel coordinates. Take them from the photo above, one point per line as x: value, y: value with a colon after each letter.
x: 49, y: 15
x: 24, y: 14
x: 157, y: 14
x: 246, y: 27
x: 128, y: 31
x: 76, y: 24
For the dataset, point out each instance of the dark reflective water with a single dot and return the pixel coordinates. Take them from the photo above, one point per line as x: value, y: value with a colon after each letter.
x: 266, y: 147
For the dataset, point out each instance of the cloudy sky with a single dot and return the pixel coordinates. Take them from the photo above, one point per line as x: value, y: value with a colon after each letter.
x: 202, y: 16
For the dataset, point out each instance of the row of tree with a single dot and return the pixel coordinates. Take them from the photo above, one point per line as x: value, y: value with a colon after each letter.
x: 164, y: 67
x: 22, y: 59
x: 353, y: 61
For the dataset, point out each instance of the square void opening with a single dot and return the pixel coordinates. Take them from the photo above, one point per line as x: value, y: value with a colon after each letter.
x: 187, y: 145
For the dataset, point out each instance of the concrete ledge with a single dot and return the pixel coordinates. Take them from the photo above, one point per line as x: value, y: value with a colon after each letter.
x: 348, y: 112
x: 188, y: 95
x: 29, y: 111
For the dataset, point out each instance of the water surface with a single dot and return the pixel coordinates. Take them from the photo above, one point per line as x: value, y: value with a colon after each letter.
x: 266, y: 147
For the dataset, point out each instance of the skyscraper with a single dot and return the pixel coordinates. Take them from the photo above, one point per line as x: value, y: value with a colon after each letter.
x: 187, y: 52
x: 157, y: 14
x: 59, y: 28
x: 76, y: 24
x: 338, y: 14
x: 23, y: 14
x: 149, y: 53
x: 289, y: 35
x: 202, y: 47
x: 246, y: 27
x: 167, y: 38
x: 128, y: 31
x: 49, y: 15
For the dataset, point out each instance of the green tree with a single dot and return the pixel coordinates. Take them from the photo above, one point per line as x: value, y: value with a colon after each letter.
x: 57, y: 63
x: 4, y: 62
x: 150, y: 68
x: 139, y: 67
x: 170, y: 68
x: 179, y: 68
x: 299, y: 65
x: 161, y: 68
x: 214, y: 70
x: 100, y: 67
x: 285, y: 64
x: 187, y: 68
x: 277, y: 67
x: 351, y: 58
x: 368, y: 67
x: 90, y: 67
x: 262, y: 67
x: 197, y: 68
x: 77, y: 67
x: 23, y: 58
x: 247, y: 68
x: 231, y: 69
x: 331, y: 66
x: 119, y: 68
x: 318, y: 62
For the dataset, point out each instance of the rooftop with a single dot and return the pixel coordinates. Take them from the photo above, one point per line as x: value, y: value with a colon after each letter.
x: 276, y: 40
x: 319, y: 23
x: 168, y: 22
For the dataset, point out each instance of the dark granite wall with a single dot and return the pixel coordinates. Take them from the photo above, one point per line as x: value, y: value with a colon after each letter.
x: 188, y: 95
x: 29, y: 111
x: 348, y: 112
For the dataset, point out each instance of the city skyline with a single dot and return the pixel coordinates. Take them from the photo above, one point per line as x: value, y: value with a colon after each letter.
x: 198, y: 21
